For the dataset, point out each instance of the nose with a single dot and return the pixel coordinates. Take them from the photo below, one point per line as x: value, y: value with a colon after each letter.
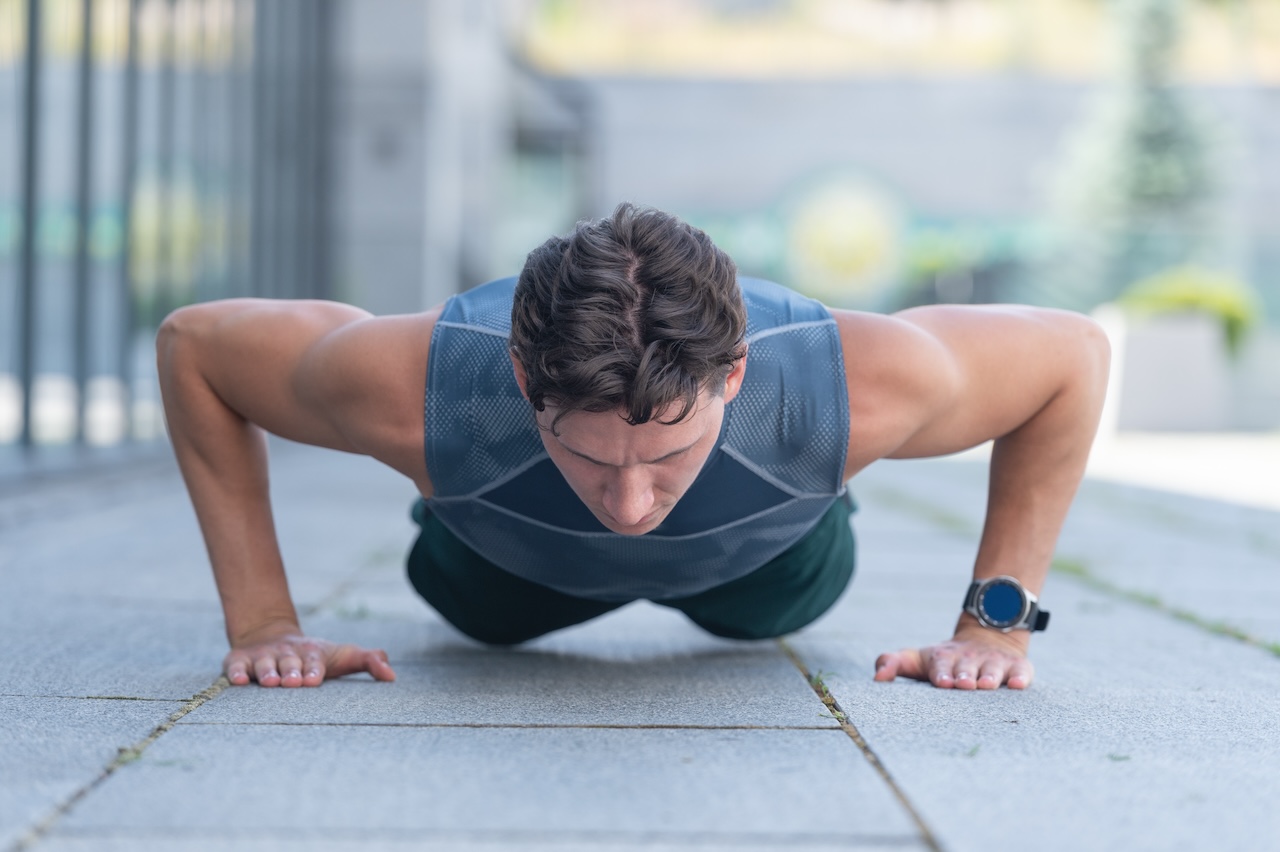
x: 628, y: 497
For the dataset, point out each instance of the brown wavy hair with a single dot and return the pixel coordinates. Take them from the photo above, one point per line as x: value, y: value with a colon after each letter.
x: 634, y: 312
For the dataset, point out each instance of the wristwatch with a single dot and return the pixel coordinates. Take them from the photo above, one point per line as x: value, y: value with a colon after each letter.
x: 1002, y: 604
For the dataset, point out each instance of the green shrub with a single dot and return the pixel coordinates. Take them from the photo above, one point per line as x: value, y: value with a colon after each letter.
x: 1185, y: 289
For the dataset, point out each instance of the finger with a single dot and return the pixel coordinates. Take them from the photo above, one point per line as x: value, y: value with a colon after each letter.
x: 313, y: 668
x: 290, y: 668
x: 265, y: 671
x: 236, y: 668
x: 1021, y: 673
x: 992, y: 673
x: 942, y: 669
x: 351, y: 659
x: 377, y: 665
x: 966, y: 673
x: 905, y: 663
x: 886, y: 667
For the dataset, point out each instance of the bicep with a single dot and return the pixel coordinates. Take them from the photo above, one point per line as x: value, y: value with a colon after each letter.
x: 307, y: 371
x: 368, y: 378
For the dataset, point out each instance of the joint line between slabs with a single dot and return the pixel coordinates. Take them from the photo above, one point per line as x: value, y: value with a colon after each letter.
x: 96, y: 698
x: 124, y: 756
x: 829, y: 700
x: 504, y: 726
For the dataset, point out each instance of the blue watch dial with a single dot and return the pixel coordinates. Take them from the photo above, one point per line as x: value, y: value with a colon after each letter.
x: 1002, y: 603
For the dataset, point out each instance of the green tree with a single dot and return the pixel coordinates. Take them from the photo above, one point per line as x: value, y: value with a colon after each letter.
x: 1140, y: 191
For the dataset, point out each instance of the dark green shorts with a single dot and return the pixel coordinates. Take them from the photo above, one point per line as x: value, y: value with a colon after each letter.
x: 499, y: 608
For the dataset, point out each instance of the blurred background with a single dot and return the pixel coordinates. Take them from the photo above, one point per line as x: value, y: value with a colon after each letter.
x: 1109, y: 156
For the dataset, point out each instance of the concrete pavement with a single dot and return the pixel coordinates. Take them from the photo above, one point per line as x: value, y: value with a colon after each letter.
x: 1150, y: 725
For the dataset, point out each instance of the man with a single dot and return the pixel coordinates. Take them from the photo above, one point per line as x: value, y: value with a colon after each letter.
x: 629, y: 420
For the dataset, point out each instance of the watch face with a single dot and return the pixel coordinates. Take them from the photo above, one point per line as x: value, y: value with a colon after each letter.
x: 1001, y: 602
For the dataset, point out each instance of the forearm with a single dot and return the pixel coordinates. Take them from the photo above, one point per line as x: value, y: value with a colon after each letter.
x: 223, y: 459
x: 1035, y: 472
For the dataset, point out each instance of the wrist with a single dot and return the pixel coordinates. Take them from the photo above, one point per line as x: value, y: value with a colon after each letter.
x: 265, y: 630
x: 968, y: 629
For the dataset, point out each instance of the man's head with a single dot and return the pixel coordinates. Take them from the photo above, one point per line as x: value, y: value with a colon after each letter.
x: 635, y: 312
x: 635, y: 318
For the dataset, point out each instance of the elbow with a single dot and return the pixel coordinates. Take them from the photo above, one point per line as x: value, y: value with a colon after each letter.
x: 1095, y: 349
x: 1088, y: 361
x: 172, y: 337
x: 179, y: 338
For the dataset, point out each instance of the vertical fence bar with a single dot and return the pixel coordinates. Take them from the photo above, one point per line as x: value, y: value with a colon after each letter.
x: 304, y: 91
x: 323, y: 129
x: 239, y: 271
x: 258, y: 166
x: 279, y: 171
x: 129, y: 176
x: 201, y: 90
x: 245, y: 146
x: 167, y: 109
x: 27, y: 257
x: 84, y: 214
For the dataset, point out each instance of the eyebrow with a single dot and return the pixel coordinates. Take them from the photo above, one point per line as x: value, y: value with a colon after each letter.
x: 671, y: 454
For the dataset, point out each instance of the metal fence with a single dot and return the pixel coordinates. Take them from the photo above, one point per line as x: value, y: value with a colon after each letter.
x: 152, y: 153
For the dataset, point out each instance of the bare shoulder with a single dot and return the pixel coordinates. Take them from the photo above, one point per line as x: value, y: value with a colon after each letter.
x: 897, y: 375
x: 939, y: 379
x: 369, y: 378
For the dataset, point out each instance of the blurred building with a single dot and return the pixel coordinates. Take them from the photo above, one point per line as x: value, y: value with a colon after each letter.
x: 159, y: 152
x: 390, y: 152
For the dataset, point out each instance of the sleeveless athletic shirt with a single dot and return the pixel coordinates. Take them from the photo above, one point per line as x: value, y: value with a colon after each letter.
x: 777, y: 465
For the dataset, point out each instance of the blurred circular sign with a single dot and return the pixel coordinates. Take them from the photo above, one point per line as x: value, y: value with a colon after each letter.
x: 843, y: 241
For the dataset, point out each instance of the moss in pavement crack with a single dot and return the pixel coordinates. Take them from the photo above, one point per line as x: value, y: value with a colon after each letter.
x: 1079, y: 570
x: 125, y: 755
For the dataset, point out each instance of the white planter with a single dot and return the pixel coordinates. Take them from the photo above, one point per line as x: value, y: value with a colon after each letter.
x: 1169, y: 373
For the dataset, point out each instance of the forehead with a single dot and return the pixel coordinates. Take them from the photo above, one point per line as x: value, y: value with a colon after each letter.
x: 606, y: 436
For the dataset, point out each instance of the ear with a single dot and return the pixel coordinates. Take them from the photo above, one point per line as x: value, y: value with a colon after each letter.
x: 522, y: 378
x: 733, y: 381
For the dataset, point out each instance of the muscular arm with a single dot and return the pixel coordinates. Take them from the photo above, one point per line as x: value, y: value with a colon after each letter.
x: 941, y: 379
x: 315, y: 372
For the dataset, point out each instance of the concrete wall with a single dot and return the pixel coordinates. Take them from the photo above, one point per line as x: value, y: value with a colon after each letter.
x: 420, y: 131
x: 942, y: 148
x: 962, y: 148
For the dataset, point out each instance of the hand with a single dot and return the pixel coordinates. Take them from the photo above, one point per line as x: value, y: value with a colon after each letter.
x: 976, y: 658
x: 291, y: 660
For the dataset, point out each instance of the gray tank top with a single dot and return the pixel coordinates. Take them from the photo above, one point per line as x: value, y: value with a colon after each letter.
x: 777, y: 466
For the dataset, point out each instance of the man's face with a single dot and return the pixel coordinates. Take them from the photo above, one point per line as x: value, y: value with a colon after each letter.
x: 630, y: 477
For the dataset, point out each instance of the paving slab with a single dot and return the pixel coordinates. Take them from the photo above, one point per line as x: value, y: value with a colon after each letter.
x: 643, y: 665
x: 492, y: 687
x: 1214, y: 561
x: 51, y: 747
x: 145, y: 545
x: 81, y: 649
x: 206, y: 779
x: 637, y: 729
x: 1140, y: 731
x: 361, y: 841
